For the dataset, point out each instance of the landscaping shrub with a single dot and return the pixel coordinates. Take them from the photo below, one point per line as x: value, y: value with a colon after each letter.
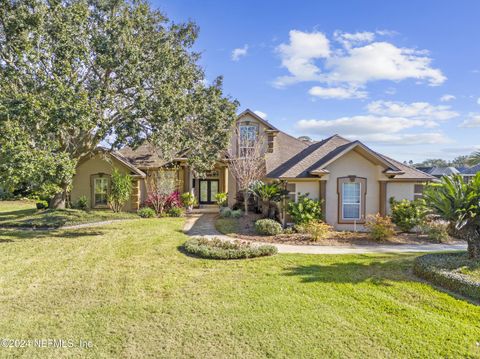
x: 218, y: 249
x: 221, y: 199
x: 175, y: 212
x: 161, y: 203
x: 317, y: 229
x: 146, y: 212
x: 188, y: 200
x: 225, y: 212
x: 268, y: 227
x: 407, y: 214
x: 443, y: 269
x: 305, y: 209
x: 41, y: 205
x: 237, y: 213
x: 120, y: 190
x: 381, y: 228
x: 436, y: 230
x: 81, y: 204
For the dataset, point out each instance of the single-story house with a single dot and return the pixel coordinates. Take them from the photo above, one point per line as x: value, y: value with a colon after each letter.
x: 351, y: 179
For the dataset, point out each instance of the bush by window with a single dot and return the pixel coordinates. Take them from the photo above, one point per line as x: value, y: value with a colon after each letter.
x: 305, y: 209
x: 407, y: 214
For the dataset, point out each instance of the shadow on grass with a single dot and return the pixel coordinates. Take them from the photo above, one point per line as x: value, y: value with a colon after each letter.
x: 8, y: 235
x: 13, y: 215
x: 378, y: 271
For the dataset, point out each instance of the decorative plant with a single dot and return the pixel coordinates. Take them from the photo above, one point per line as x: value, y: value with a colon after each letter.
x: 163, y: 202
x: 407, y: 214
x: 305, y: 209
x: 82, y: 203
x: 120, y: 190
x: 381, y: 228
x: 188, y: 200
x: 318, y: 229
x: 268, y: 227
x: 267, y: 193
x: 221, y: 198
x: 458, y: 203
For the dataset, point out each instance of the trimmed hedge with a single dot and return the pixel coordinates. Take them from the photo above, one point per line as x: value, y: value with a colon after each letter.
x: 440, y: 269
x: 217, y: 249
x: 268, y: 227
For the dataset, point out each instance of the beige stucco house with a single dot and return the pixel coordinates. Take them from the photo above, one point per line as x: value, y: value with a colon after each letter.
x: 352, y: 180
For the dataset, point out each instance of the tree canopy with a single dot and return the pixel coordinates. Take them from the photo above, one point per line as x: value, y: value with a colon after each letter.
x: 76, y: 74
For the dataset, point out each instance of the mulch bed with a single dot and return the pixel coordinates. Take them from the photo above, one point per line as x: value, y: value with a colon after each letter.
x: 246, y: 231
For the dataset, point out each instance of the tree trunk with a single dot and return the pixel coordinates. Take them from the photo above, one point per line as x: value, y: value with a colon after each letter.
x: 245, y: 200
x: 265, y: 208
x: 58, y: 200
x: 472, y: 234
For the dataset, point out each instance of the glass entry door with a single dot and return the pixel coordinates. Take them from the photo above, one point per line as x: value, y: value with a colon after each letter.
x: 207, y: 191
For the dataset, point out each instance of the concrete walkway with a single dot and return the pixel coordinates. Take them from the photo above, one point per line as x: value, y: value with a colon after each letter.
x: 203, y: 225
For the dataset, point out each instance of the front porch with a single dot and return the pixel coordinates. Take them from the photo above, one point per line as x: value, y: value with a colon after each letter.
x: 206, y: 188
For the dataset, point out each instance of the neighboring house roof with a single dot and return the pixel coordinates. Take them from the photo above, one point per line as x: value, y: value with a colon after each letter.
x: 470, y: 170
x: 439, y: 171
x: 313, y: 159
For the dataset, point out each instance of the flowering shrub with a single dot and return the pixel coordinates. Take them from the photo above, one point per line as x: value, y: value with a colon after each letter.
x: 161, y: 202
x: 407, y: 214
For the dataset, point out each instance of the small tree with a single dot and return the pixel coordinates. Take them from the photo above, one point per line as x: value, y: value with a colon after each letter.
x: 266, y: 193
x: 162, y: 188
x: 458, y: 203
x: 249, y: 166
x: 120, y: 190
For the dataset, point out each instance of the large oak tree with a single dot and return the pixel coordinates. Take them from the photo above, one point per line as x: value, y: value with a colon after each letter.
x: 76, y: 74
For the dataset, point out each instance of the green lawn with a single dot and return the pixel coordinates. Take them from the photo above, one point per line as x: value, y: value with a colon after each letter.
x: 129, y: 289
x: 24, y: 214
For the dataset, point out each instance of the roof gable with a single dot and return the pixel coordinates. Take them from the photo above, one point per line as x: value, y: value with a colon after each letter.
x: 249, y: 112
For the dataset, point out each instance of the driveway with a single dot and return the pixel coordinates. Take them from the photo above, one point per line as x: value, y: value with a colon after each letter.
x: 203, y: 225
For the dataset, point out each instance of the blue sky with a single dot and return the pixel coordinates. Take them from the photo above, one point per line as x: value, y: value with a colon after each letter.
x: 401, y: 76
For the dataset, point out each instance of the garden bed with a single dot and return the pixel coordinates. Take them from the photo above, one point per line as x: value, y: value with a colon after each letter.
x: 217, y: 249
x: 244, y: 228
x: 452, y: 271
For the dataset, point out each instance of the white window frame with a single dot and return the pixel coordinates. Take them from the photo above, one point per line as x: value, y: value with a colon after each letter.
x: 242, y: 148
x: 348, y: 203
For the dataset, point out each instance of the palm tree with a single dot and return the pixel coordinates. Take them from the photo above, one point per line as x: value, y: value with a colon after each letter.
x: 458, y: 203
x: 474, y: 159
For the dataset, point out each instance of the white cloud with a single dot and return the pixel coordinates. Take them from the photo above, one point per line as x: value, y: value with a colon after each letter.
x: 447, y: 97
x: 472, y: 121
x: 239, y: 52
x: 261, y: 114
x: 358, y: 125
x: 382, y: 61
x: 309, y: 56
x: 336, y: 92
x: 478, y: 101
x: 375, y: 129
x: 351, y: 39
x: 298, y: 56
x: 387, y: 122
x: 416, y: 110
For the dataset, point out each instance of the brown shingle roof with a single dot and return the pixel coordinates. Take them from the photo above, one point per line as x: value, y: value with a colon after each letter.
x: 317, y: 155
x: 145, y: 156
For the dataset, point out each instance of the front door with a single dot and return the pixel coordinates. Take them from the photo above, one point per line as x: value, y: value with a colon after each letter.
x: 208, y: 191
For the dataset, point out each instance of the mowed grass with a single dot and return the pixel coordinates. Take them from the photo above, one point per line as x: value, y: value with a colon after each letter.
x: 130, y: 290
x: 24, y: 214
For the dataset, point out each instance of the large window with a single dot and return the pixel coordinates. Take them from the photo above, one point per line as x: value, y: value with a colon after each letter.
x: 351, y: 198
x: 248, y: 138
x: 100, y: 191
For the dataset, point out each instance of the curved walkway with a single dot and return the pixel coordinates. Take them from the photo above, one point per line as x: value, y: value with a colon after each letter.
x: 203, y: 225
